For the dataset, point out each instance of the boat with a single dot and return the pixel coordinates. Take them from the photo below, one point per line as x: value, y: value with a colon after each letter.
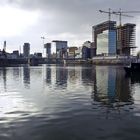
x: 132, y: 68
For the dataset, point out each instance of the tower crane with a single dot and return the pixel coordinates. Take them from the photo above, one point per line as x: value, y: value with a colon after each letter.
x: 107, y: 12
x: 118, y: 13
x: 121, y: 13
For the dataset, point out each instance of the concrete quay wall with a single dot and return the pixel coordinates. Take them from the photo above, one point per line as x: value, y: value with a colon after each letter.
x: 111, y: 61
x: 94, y: 61
x: 115, y: 61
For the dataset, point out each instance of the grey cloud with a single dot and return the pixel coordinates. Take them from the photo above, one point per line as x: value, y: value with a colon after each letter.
x: 72, y: 16
x: 76, y: 10
x: 75, y: 5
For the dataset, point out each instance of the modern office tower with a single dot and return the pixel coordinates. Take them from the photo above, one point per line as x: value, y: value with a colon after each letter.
x: 104, y: 37
x: 26, y: 49
x: 59, y: 48
x: 126, y: 38
x: 47, y: 46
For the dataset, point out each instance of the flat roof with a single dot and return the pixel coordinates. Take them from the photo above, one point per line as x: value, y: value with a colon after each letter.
x: 105, y: 23
x: 59, y: 41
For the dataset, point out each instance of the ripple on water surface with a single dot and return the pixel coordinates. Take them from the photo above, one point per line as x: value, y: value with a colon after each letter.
x: 55, y: 103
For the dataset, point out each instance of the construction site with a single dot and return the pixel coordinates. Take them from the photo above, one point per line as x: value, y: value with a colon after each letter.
x: 112, y: 39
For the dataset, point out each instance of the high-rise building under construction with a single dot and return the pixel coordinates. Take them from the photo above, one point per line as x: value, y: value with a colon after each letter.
x: 110, y: 39
x: 126, y: 38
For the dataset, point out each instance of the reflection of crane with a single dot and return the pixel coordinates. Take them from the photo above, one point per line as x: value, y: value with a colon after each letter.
x: 115, y: 13
x: 120, y: 12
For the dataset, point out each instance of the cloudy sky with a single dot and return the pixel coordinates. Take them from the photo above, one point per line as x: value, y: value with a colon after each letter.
x: 28, y: 20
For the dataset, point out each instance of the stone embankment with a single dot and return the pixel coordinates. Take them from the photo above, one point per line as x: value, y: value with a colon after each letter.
x: 104, y: 61
x: 117, y: 60
x: 111, y: 61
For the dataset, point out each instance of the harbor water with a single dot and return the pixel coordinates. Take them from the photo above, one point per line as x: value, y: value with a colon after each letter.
x: 50, y: 102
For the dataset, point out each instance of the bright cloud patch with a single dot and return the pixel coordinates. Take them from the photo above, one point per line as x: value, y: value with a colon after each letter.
x: 15, y: 21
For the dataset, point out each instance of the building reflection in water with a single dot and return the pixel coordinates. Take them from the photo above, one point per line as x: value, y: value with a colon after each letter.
x: 88, y: 74
x: 111, y: 86
x: 61, y: 76
x: 48, y: 74
x: 123, y: 88
x: 3, y: 72
x: 26, y: 76
x: 73, y: 74
x: 16, y: 73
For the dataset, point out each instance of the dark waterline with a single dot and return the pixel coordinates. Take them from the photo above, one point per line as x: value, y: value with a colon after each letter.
x: 69, y: 103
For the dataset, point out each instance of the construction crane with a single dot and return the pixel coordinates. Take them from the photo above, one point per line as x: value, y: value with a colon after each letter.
x: 118, y: 13
x: 107, y: 12
x: 121, y: 13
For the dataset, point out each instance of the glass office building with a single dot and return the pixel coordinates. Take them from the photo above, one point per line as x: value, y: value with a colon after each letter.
x: 112, y: 42
x: 102, y: 43
x: 105, y: 35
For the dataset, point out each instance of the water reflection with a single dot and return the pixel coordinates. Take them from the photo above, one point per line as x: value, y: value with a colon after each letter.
x: 74, y: 74
x: 74, y: 96
x: 88, y: 74
x: 16, y: 72
x: 48, y: 75
x: 26, y: 76
x: 61, y: 76
x: 111, y: 86
x: 4, y: 75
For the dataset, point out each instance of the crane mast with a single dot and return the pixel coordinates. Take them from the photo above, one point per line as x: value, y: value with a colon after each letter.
x: 126, y: 33
x: 107, y: 12
x: 122, y: 13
